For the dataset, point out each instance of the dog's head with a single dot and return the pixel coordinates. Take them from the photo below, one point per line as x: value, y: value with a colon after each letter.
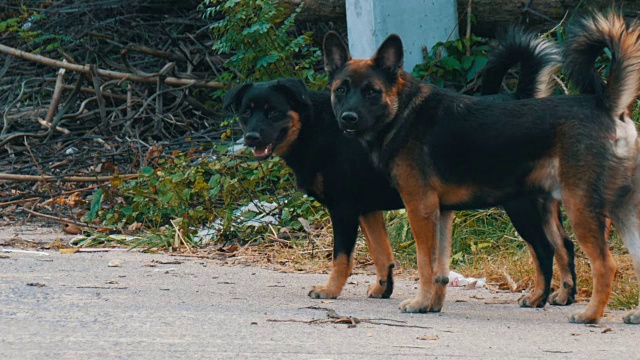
x: 364, y: 93
x: 269, y: 114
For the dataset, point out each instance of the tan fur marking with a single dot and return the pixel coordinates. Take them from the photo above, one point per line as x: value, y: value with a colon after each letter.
x: 555, y: 233
x: 375, y: 235
x: 292, y: 134
x: 360, y: 65
x: 421, y: 202
x: 545, y: 174
x: 450, y: 194
x: 534, y: 298
x: 339, y: 274
x: 590, y: 236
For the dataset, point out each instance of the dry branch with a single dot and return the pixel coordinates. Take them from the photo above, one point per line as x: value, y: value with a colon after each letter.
x: 18, y: 177
x: 61, y: 219
x: 57, y: 95
x: 86, y: 69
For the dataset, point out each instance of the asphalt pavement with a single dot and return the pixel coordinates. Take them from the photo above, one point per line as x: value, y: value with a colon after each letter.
x: 75, y: 306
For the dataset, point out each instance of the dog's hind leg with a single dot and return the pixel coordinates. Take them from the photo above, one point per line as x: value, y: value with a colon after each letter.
x: 565, y: 259
x: 564, y: 255
x: 345, y: 232
x: 628, y: 226
x: 443, y: 259
x: 589, y: 227
x: 528, y: 216
x: 375, y: 235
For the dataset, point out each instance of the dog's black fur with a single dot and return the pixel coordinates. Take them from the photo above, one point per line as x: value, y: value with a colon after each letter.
x: 445, y: 150
x: 282, y: 117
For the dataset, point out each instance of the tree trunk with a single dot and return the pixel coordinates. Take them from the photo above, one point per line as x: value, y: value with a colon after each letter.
x: 537, y: 14
x: 321, y: 10
x: 489, y: 14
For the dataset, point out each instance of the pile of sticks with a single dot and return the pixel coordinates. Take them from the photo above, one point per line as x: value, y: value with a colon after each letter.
x: 89, y: 88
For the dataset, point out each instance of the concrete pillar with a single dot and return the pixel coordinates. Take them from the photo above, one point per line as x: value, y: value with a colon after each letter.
x: 418, y: 22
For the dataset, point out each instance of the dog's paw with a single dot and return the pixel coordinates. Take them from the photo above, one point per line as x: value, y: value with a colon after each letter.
x: 381, y: 289
x: 632, y: 317
x: 323, y: 292
x: 418, y: 305
x: 584, y: 317
x: 377, y: 291
x: 563, y: 296
x: 535, y: 299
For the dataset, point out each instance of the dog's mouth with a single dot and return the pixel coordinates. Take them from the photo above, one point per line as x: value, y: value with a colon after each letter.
x: 263, y: 152
x: 350, y: 132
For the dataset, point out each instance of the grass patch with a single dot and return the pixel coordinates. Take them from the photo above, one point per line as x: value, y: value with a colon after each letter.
x: 485, y: 244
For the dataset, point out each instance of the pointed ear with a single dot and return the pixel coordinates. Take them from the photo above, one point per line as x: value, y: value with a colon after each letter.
x: 390, y: 55
x: 335, y: 52
x: 293, y: 89
x: 234, y: 97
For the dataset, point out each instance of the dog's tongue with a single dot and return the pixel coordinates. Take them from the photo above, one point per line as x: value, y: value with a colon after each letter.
x: 262, y: 151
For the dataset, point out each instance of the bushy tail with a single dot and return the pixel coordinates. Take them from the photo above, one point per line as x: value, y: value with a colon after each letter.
x: 539, y: 60
x: 586, y: 39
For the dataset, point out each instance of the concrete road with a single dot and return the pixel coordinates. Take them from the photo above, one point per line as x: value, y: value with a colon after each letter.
x: 77, y: 307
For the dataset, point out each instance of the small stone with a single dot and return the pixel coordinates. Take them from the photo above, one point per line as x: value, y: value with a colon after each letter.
x: 115, y: 263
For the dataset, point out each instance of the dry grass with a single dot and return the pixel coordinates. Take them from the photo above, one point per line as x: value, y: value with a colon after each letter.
x: 520, y: 267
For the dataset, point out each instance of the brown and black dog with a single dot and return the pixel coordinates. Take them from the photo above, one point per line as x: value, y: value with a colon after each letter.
x: 444, y: 150
x: 283, y: 118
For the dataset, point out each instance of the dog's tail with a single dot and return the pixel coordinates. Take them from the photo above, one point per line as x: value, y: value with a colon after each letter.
x: 586, y: 39
x: 539, y: 60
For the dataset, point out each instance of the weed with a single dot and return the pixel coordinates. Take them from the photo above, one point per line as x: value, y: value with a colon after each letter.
x: 258, y: 35
x: 23, y: 26
x: 448, y: 65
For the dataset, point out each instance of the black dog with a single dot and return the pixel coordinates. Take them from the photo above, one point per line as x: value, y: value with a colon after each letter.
x: 283, y: 118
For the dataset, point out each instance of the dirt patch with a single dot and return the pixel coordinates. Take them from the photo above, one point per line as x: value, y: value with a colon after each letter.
x: 33, y: 235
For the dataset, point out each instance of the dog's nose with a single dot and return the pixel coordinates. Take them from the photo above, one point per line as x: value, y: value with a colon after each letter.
x: 349, y: 117
x: 252, y: 138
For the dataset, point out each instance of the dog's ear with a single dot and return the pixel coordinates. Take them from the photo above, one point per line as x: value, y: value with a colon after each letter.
x: 390, y: 55
x: 234, y: 97
x: 335, y: 52
x: 293, y: 89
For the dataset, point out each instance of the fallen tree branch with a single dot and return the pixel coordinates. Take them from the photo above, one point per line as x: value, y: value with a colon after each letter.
x: 334, y: 318
x: 14, y: 136
x: 18, y: 177
x: 86, y: 69
x: 19, y: 201
x: 57, y: 95
x: 61, y: 219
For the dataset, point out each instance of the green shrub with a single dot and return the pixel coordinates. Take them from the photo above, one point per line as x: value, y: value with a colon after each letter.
x: 188, y: 191
x: 259, y: 37
x: 36, y: 39
x: 447, y: 64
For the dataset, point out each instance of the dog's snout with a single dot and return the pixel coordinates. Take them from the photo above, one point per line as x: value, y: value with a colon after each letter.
x: 349, y: 117
x: 252, y: 138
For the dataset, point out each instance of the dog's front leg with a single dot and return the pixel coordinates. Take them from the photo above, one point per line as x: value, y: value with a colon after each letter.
x: 345, y: 232
x: 424, y: 217
x: 375, y: 235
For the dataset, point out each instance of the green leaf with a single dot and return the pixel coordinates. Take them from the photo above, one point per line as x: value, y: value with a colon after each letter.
x: 450, y: 63
x: 147, y: 170
x: 96, y: 204
x: 467, y: 61
x: 478, y: 63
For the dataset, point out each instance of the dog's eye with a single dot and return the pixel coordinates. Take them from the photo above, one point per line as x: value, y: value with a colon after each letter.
x: 341, y: 90
x: 272, y: 114
x: 371, y: 93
